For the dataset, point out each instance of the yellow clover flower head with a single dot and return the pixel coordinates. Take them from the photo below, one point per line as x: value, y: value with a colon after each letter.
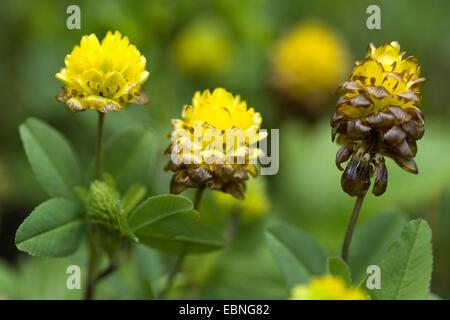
x: 256, y: 202
x: 307, y: 64
x: 378, y: 115
x: 202, y: 48
x: 104, y: 76
x: 326, y: 288
x: 214, y: 145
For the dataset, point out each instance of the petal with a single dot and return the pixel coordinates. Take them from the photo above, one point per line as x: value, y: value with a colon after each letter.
x: 349, y: 86
x: 369, y: 68
x: 394, y: 136
x: 110, y: 106
x: 356, y: 178
x: 360, y: 101
x: 407, y: 164
x: 409, y: 68
x: 357, y: 128
x: 416, y: 84
x: 235, y: 189
x: 199, y: 174
x: 413, y: 130
x: 370, y: 50
x: 377, y: 92
x: 387, y: 54
x: 343, y: 155
x: 380, y: 119
x: 74, y: 105
x: 140, y: 98
x: 381, y: 178
x: 409, y: 96
x: 400, y: 114
x: 404, y: 150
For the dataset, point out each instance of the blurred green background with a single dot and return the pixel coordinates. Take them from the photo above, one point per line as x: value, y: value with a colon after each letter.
x: 231, y: 41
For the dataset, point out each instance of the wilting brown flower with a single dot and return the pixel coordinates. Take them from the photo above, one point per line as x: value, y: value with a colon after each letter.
x: 379, y: 115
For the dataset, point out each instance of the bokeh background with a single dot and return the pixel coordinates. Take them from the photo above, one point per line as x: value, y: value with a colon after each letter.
x: 199, y: 44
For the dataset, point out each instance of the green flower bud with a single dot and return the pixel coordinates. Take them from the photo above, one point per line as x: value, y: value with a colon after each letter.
x: 101, y: 204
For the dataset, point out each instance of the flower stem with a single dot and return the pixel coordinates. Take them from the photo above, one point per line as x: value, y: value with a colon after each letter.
x: 92, y: 263
x: 198, y: 197
x: 92, y: 249
x: 99, y: 158
x: 94, y: 255
x: 351, y: 227
x: 92, y: 281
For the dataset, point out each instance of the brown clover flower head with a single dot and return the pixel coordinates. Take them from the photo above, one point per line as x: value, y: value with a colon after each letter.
x: 378, y: 115
x: 204, y: 152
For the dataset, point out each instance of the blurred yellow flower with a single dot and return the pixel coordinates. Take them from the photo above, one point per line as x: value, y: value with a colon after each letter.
x: 203, y: 47
x: 378, y: 115
x: 326, y: 288
x: 104, y: 76
x: 256, y: 202
x: 307, y: 64
x: 204, y: 151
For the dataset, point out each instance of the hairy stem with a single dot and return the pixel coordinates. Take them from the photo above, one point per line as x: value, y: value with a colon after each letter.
x: 351, y: 227
x: 99, y: 158
x: 92, y: 262
x: 93, y: 254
